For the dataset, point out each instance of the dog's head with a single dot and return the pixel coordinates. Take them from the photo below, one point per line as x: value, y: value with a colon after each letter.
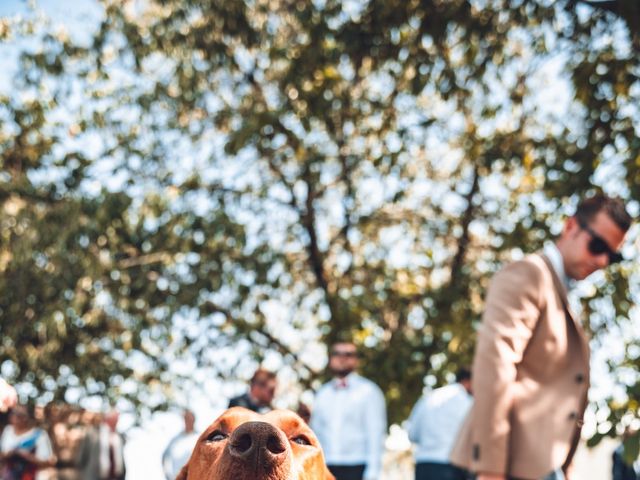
x: 244, y: 445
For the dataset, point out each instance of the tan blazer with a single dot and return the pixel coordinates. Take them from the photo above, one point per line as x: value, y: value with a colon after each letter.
x: 530, y: 377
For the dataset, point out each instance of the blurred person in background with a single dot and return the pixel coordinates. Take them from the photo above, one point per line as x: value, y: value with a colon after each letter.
x: 349, y: 418
x: 66, y: 433
x: 25, y: 450
x: 262, y: 388
x: 179, y: 449
x: 434, y: 425
x: 622, y: 470
x: 101, y: 453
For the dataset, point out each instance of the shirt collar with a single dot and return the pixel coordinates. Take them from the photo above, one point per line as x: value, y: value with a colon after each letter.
x: 555, y: 257
x: 461, y: 388
x: 348, y: 381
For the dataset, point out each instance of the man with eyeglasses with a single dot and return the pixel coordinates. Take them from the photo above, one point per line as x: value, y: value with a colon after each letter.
x: 349, y: 418
x: 531, y: 365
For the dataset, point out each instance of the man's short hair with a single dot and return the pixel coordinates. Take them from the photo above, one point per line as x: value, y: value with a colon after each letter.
x: 463, y: 374
x: 261, y: 377
x: 612, y: 206
x: 188, y: 411
x: 343, y: 342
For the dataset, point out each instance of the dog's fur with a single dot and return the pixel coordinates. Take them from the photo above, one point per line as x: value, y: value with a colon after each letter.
x: 244, y: 445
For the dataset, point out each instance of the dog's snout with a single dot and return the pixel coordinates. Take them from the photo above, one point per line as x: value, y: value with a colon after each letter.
x: 243, y: 443
x: 275, y: 444
x: 253, y: 439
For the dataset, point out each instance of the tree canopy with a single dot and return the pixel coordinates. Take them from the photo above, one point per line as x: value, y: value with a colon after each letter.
x: 278, y: 173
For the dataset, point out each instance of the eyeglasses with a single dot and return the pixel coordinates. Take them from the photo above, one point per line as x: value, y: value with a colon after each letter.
x: 597, y: 245
x: 339, y: 353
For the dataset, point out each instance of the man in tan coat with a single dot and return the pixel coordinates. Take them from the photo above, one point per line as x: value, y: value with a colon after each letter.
x: 531, y: 365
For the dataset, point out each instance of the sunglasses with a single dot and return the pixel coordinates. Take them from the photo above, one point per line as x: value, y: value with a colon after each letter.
x: 338, y: 353
x: 597, y: 245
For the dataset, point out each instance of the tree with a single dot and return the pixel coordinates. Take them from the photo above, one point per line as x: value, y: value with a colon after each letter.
x: 365, y: 167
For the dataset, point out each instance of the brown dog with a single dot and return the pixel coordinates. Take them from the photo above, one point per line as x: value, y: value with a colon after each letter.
x: 244, y: 445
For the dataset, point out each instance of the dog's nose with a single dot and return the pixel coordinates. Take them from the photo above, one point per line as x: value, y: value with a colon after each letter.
x: 252, y: 440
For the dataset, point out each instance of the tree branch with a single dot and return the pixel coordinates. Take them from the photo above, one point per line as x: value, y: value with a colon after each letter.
x: 463, y: 243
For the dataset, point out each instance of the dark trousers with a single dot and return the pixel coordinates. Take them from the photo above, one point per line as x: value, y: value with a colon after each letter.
x: 439, y: 471
x: 557, y: 475
x: 350, y: 472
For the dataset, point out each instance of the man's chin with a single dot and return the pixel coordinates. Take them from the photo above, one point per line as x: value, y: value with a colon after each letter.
x: 590, y: 272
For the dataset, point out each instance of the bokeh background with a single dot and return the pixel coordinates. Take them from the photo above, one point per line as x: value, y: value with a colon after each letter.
x: 190, y: 189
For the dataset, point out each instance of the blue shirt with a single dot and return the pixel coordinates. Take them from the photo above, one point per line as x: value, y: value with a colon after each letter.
x: 436, y: 420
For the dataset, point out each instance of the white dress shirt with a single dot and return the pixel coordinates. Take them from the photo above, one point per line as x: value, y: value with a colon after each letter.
x: 435, y: 421
x: 557, y: 262
x: 555, y: 257
x: 350, y: 422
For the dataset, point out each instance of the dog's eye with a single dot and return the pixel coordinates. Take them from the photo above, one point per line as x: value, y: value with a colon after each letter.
x: 301, y: 440
x: 216, y: 436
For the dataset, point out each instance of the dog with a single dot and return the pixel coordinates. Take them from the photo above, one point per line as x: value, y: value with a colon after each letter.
x: 244, y: 445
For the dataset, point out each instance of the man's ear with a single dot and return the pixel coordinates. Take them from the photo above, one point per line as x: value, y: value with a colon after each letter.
x: 184, y: 473
x: 570, y: 225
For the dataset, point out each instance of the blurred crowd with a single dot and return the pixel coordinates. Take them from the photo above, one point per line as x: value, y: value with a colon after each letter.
x: 66, y: 442
x: 60, y: 442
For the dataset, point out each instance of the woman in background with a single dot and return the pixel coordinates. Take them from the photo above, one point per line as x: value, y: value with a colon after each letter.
x: 24, y: 449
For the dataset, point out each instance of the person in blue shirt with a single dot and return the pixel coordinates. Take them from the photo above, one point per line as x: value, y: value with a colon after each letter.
x: 25, y: 450
x: 434, y: 425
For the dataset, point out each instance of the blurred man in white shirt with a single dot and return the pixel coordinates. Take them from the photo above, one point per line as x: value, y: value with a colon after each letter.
x: 349, y: 418
x: 177, y: 453
x: 434, y: 425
